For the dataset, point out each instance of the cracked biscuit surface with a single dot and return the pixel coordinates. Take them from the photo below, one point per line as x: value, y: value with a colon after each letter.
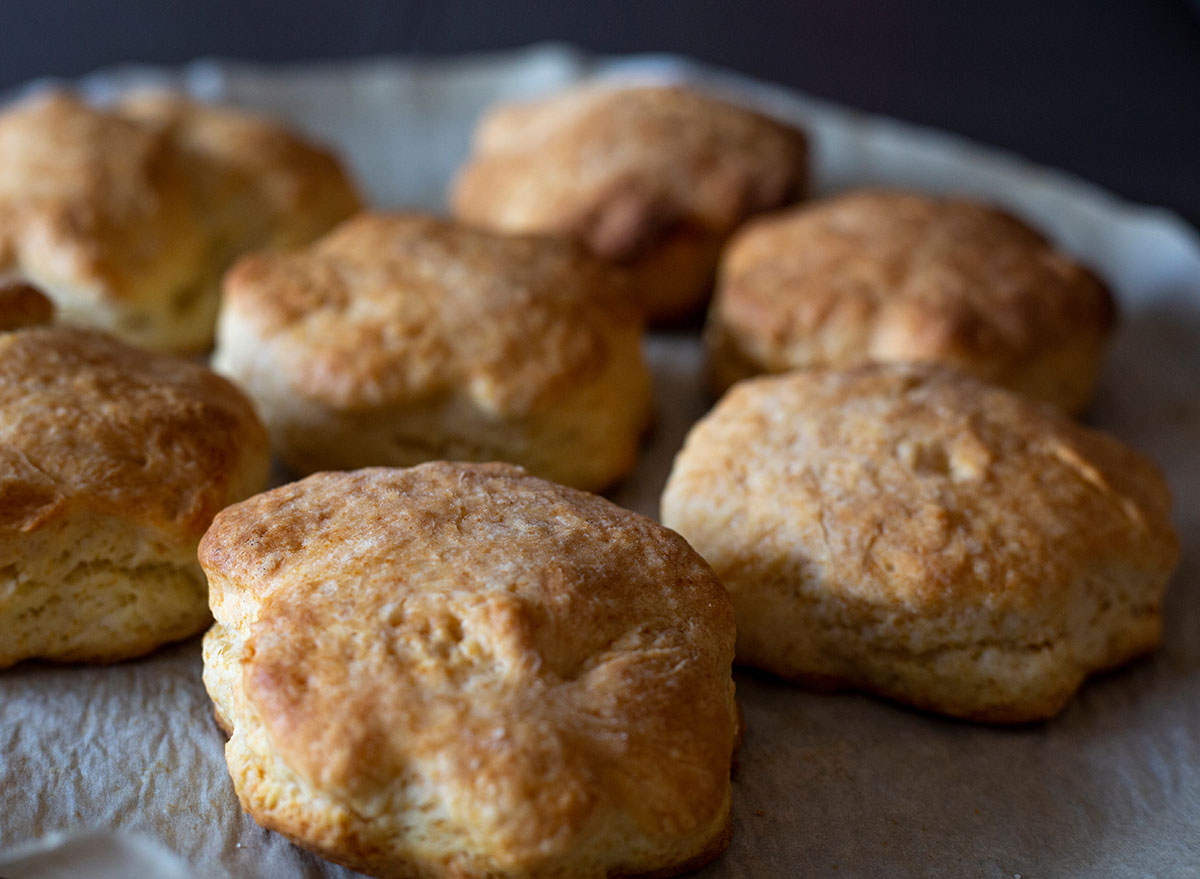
x: 878, y: 275
x: 126, y: 216
x: 459, y: 670
x: 913, y: 532
x: 652, y: 177
x: 402, y: 338
x: 113, y: 462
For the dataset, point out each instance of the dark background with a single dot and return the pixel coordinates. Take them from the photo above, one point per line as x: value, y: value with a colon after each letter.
x: 1109, y: 89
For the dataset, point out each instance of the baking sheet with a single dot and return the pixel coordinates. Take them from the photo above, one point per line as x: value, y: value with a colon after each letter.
x: 826, y: 785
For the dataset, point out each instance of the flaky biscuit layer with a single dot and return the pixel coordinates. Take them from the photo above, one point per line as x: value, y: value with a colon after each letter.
x: 113, y: 462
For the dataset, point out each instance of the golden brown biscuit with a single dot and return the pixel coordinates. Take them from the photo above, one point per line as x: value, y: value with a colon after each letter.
x: 400, y: 338
x: 654, y: 178
x: 113, y: 461
x: 258, y: 183
x: 463, y: 671
x: 913, y: 532
x: 23, y: 305
x: 893, y: 276
x: 127, y: 218
x: 96, y: 211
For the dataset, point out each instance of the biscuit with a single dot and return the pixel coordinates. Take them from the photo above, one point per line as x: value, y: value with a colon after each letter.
x: 892, y: 276
x: 259, y: 184
x: 398, y: 339
x: 655, y: 178
x: 23, y: 305
x: 462, y: 671
x: 96, y: 210
x: 908, y: 530
x: 113, y: 461
x: 127, y: 218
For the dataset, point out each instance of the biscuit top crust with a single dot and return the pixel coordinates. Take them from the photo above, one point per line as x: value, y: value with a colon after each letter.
x: 534, y: 664
x: 263, y: 181
x: 886, y: 275
x: 916, y: 486
x: 89, y: 422
x: 620, y: 167
x: 392, y: 308
x: 91, y: 201
x: 23, y: 305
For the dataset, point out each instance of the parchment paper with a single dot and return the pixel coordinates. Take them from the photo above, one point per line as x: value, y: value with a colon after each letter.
x: 826, y: 785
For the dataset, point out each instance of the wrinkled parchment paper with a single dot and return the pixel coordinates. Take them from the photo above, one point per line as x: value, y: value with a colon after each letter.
x: 826, y: 785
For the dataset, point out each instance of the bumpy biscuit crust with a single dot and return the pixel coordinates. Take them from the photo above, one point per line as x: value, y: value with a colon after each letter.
x: 113, y: 463
x: 908, y: 530
x: 654, y: 178
x: 463, y: 671
x: 127, y: 217
x: 894, y: 276
x: 402, y: 338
